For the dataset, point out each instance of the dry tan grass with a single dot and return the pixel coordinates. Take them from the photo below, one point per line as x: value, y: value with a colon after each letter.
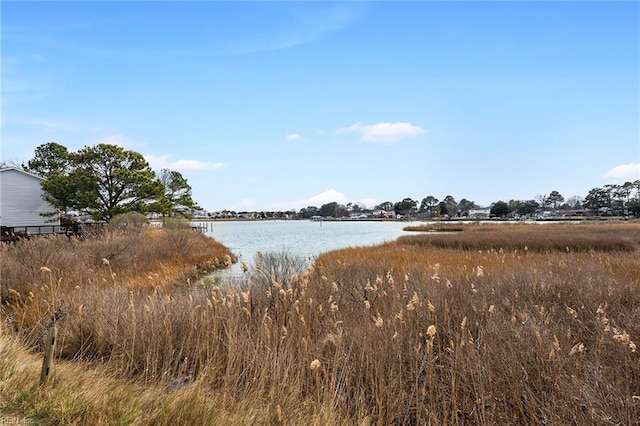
x: 533, y: 237
x: 402, y: 333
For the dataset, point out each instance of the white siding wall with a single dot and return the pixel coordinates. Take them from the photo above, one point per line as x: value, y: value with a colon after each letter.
x: 21, y: 200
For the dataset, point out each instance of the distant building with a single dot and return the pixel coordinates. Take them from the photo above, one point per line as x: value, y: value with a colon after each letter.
x: 480, y: 212
x: 21, y: 200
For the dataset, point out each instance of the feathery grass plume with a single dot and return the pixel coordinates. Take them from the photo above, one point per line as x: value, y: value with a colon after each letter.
x: 315, y: 365
x: 378, y: 321
x: 44, y: 269
x: 431, y: 331
x: 571, y: 311
x: 622, y: 338
x: 577, y: 349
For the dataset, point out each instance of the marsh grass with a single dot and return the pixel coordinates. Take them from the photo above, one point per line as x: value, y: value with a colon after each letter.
x: 547, y: 237
x: 402, y: 333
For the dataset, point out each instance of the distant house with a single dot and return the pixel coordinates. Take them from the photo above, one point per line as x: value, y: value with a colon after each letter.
x: 21, y: 200
x: 477, y: 213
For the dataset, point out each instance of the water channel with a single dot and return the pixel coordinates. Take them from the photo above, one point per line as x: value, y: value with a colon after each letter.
x: 303, y: 238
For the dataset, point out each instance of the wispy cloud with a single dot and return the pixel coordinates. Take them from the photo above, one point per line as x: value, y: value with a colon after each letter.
x: 294, y: 137
x: 165, y: 162
x: 43, y: 123
x: 284, y: 28
x: 385, y: 132
x: 303, y: 28
x: 624, y: 172
x: 20, y: 81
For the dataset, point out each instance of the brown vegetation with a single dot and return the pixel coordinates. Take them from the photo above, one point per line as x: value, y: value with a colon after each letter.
x: 409, y: 332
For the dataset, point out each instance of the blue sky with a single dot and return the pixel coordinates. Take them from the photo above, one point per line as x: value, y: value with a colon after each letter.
x: 283, y: 105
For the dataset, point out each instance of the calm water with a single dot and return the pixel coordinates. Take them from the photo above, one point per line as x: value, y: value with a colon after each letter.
x: 300, y: 237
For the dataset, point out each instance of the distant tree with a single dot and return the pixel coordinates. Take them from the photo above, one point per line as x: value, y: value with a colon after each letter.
x: 328, y: 209
x: 554, y: 200
x: 528, y: 207
x: 386, y: 206
x: 575, y: 202
x: 405, y: 206
x: 597, y: 198
x: 452, y: 205
x: 341, y: 211
x: 634, y: 199
x: 636, y: 187
x: 177, y: 199
x: 499, y: 209
x: 514, y: 205
x: 308, y: 212
x: 442, y: 209
x: 542, y: 201
x: 465, y: 205
x: 621, y: 195
x: 428, y: 204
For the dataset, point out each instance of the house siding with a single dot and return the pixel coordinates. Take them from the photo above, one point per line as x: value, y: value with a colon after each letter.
x: 21, y: 202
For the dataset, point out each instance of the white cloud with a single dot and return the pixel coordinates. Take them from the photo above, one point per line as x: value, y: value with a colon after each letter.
x: 163, y: 162
x: 294, y: 137
x: 624, y: 172
x: 328, y: 196
x: 385, y: 132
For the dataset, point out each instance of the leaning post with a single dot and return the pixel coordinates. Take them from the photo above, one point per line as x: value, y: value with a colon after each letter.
x: 49, y: 348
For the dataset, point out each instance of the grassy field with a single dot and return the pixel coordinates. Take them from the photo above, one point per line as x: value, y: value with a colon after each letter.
x: 490, y: 325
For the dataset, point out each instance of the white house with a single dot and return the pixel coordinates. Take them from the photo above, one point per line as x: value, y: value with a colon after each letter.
x: 480, y: 212
x: 21, y: 201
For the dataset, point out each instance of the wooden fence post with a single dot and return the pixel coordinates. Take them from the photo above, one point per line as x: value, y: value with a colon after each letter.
x: 50, y: 346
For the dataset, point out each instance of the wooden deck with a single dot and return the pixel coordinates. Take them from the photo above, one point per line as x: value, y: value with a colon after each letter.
x: 15, y: 233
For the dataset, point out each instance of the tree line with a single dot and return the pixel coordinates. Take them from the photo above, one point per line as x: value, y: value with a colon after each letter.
x: 105, y: 180
x: 622, y: 200
x: 609, y: 200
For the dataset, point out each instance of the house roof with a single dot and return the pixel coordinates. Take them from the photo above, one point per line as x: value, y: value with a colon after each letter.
x: 8, y: 169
